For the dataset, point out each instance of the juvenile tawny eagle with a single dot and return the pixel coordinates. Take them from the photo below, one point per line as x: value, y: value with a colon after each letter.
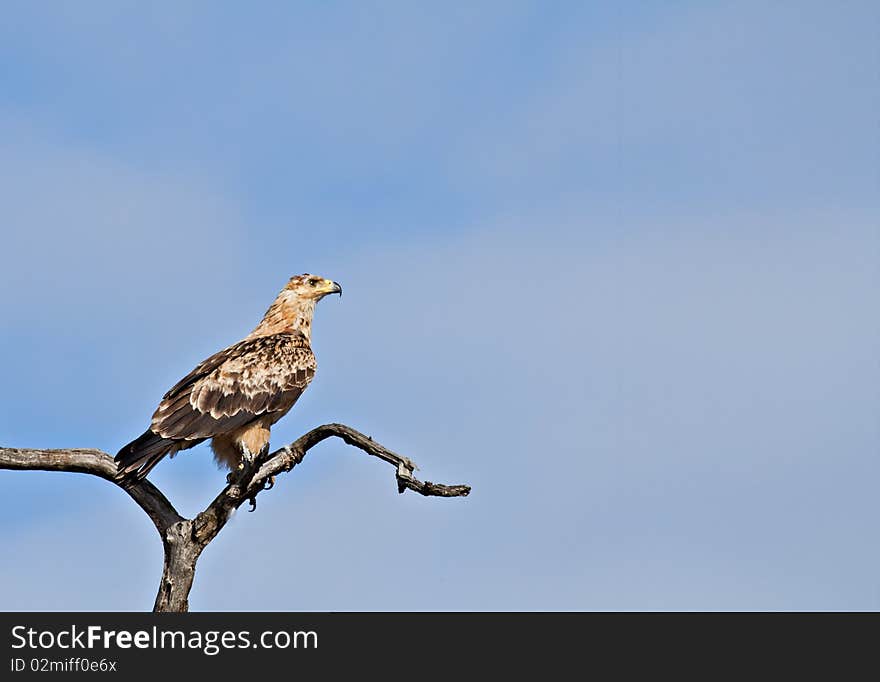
x: 235, y: 396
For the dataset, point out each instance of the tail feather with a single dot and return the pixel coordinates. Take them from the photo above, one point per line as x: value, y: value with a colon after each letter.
x: 137, y: 459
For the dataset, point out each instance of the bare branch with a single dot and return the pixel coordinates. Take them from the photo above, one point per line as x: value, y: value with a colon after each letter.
x: 289, y: 456
x: 97, y: 463
x: 251, y: 482
x: 184, y: 539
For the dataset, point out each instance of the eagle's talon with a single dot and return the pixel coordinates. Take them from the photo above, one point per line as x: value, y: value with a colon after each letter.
x: 253, y: 501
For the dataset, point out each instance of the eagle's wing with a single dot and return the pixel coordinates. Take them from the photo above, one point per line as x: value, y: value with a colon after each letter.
x: 254, y: 377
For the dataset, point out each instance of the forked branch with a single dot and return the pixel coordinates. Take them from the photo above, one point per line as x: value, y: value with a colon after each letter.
x: 184, y: 539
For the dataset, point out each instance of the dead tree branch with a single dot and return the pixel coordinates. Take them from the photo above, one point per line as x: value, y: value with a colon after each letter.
x: 97, y: 463
x: 184, y: 539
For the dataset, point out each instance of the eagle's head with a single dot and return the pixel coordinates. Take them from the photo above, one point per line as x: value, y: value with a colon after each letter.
x: 294, y: 306
x: 311, y: 287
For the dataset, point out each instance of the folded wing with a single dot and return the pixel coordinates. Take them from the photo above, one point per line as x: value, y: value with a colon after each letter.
x: 259, y: 376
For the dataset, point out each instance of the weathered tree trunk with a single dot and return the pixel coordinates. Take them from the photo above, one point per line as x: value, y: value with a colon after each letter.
x: 182, y: 552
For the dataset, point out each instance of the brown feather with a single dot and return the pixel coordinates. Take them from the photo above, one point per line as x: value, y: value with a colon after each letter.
x: 255, y: 376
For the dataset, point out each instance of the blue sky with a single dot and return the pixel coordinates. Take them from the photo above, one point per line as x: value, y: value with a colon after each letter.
x: 613, y: 265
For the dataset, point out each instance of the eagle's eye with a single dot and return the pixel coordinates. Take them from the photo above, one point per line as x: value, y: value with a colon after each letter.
x: 314, y: 282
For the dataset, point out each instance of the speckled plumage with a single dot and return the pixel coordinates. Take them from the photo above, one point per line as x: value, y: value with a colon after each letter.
x: 236, y: 395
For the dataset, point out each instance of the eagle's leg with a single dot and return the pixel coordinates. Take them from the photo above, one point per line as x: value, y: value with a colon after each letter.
x: 251, y: 461
x: 270, y: 482
x: 245, y: 463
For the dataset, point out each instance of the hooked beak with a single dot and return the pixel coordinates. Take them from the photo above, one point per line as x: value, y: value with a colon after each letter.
x: 335, y: 288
